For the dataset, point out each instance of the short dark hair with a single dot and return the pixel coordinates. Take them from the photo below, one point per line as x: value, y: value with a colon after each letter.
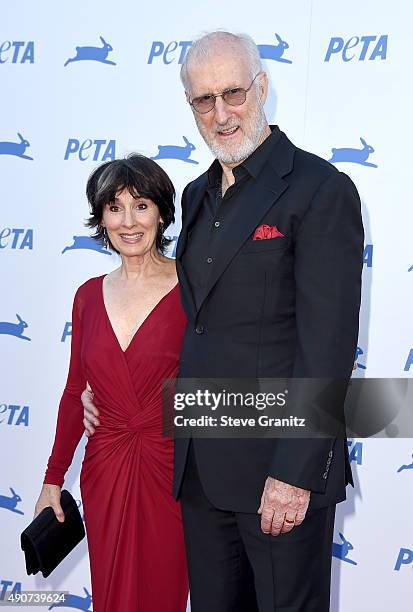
x: 142, y: 177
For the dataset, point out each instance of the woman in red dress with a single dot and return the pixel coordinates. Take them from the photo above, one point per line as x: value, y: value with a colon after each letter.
x: 127, y: 330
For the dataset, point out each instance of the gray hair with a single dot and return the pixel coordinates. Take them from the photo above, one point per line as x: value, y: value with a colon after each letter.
x: 201, y: 49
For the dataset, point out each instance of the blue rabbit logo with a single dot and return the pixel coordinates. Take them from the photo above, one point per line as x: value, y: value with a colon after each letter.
x: 10, y: 503
x: 176, y: 152
x: 354, y: 156
x: 75, y: 601
x: 408, y: 466
x: 275, y: 52
x: 14, y: 329
x: 359, y: 352
x: 95, y: 54
x: 86, y: 242
x: 15, y: 148
x: 340, y: 551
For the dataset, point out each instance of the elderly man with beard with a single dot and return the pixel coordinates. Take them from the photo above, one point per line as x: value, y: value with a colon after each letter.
x: 259, y: 513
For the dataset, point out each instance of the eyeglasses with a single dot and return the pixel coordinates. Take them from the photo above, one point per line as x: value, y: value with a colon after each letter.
x: 235, y: 96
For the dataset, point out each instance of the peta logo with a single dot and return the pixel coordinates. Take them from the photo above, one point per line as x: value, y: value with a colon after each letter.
x: 16, y: 588
x: 67, y: 331
x: 405, y: 466
x: 18, y: 149
x: 98, y: 150
x: 14, y: 329
x: 358, y: 47
x: 13, y: 414
x: 172, y: 246
x: 177, y: 152
x: 75, y: 601
x: 17, y: 52
x: 93, y: 54
x: 409, y: 361
x: 16, y: 238
x: 276, y: 51
x: 405, y: 557
x: 86, y: 242
x: 355, y: 452
x: 368, y: 255
x: 169, y: 52
x: 353, y: 156
x: 340, y: 551
x: 10, y: 502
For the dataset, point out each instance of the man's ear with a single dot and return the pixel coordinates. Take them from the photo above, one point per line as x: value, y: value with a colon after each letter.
x: 263, y: 86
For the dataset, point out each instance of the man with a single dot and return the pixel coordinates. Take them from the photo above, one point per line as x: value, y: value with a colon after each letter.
x: 285, y: 307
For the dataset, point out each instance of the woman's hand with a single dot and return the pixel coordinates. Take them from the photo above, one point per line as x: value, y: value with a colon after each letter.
x: 50, y: 496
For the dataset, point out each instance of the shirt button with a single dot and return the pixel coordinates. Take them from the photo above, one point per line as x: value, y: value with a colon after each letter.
x: 217, y: 224
x: 199, y: 329
x: 209, y: 259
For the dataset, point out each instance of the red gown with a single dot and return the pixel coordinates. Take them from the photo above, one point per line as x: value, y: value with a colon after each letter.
x: 133, y: 524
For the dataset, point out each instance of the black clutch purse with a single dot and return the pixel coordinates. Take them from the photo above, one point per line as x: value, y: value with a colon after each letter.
x: 46, y: 542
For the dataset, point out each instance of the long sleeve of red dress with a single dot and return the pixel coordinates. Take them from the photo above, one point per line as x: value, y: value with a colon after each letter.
x: 69, y: 428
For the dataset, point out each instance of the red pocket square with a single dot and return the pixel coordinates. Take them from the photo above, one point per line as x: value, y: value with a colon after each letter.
x: 264, y: 232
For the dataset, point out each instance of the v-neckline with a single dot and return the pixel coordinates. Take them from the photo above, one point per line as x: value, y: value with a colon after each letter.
x: 148, y: 316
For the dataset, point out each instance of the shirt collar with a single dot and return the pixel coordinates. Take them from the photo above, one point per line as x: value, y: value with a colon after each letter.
x: 252, y: 165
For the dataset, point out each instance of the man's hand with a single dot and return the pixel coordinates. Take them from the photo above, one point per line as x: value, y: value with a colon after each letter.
x: 90, y: 412
x: 283, y: 506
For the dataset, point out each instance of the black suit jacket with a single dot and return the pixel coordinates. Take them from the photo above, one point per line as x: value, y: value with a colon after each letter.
x: 283, y: 307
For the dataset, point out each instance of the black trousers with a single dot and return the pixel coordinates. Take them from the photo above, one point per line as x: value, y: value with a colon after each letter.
x: 234, y: 567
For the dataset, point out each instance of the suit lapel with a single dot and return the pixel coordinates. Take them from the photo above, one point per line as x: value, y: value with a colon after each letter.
x: 259, y: 195
x: 254, y: 202
x: 192, y: 212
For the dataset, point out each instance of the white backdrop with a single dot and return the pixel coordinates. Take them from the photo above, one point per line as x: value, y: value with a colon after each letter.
x: 345, y: 75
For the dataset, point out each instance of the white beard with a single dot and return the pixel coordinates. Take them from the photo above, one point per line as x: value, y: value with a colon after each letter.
x: 246, y: 148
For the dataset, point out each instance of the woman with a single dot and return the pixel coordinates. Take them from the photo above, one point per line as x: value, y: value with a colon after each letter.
x: 127, y: 329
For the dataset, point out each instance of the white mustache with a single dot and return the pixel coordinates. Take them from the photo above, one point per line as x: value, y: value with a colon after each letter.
x: 223, y: 128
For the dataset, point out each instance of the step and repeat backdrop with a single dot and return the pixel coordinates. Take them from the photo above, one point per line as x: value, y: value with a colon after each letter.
x: 85, y: 82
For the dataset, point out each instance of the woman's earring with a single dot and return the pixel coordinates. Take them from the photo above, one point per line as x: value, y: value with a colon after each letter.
x: 105, y: 238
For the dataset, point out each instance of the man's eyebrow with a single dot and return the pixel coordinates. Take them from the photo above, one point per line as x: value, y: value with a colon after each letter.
x: 211, y: 93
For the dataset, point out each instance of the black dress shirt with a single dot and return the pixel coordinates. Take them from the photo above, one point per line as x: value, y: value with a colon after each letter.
x: 203, y: 235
